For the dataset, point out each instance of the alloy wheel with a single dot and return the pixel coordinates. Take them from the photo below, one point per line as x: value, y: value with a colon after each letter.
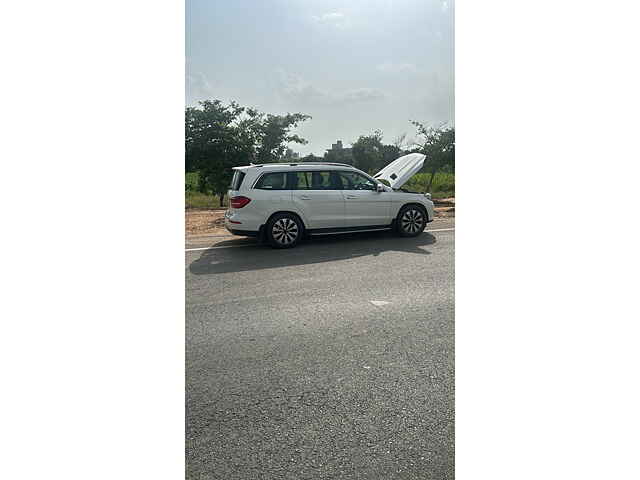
x: 285, y: 231
x: 412, y: 221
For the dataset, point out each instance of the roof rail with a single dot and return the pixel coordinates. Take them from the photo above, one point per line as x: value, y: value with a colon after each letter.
x: 324, y: 163
x: 301, y: 164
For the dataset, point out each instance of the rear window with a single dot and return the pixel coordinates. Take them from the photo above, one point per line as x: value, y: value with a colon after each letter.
x: 272, y: 181
x: 236, y: 181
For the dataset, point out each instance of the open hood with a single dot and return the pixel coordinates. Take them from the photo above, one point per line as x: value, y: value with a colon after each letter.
x: 398, y: 172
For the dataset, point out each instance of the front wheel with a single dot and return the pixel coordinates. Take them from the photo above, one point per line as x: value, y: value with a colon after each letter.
x: 284, y: 231
x: 411, y: 221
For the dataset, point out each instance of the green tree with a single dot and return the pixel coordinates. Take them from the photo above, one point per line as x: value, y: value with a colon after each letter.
x: 290, y: 156
x: 371, y: 155
x: 219, y: 137
x: 368, y: 152
x: 312, y: 158
x: 390, y: 153
x: 438, y: 144
x: 274, y: 134
x: 214, y: 143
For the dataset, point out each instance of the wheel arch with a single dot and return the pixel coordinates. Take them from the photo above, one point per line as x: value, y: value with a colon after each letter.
x: 416, y: 204
x: 290, y: 212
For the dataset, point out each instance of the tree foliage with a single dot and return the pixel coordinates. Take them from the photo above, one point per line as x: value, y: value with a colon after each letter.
x: 219, y: 137
x: 290, y: 156
x: 312, y: 158
x: 371, y: 155
x: 274, y: 134
x: 368, y: 152
x: 438, y: 144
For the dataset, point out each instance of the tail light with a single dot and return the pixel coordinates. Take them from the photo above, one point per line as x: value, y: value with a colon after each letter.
x: 239, y: 202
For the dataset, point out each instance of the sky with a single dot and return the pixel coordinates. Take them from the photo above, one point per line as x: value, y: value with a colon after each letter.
x: 355, y: 66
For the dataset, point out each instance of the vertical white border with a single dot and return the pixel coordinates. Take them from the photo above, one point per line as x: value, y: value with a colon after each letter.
x: 92, y: 340
x: 546, y: 239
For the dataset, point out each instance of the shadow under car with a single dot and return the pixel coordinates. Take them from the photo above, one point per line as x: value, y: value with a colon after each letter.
x: 329, y: 248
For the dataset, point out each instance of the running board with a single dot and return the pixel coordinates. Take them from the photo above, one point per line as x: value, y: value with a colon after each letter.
x: 338, y: 232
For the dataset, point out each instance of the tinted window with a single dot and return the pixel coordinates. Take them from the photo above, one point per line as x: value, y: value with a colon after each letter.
x: 316, y: 180
x: 301, y: 180
x: 236, y: 181
x: 273, y: 181
x: 356, y: 181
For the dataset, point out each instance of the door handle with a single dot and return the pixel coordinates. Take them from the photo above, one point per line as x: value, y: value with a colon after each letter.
x: 304, y: 197
x: 351, y: 196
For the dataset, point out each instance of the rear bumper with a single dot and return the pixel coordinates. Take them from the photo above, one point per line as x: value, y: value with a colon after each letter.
x: 242, y: 233
x: 242, y: 221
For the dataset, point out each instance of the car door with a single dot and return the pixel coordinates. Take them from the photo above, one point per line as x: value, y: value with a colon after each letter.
x: 317, y: 194
x: 364, y: 205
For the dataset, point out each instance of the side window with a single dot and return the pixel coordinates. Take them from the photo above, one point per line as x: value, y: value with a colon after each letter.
x: 356, y: 181
x: 301, y: 180
x: 272, y: 181
x: 316, y: 180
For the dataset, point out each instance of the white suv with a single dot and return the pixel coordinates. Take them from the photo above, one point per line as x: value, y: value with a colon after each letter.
x: 283, y: 202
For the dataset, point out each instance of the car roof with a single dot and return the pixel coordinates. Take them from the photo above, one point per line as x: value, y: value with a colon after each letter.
x: 297, y: 166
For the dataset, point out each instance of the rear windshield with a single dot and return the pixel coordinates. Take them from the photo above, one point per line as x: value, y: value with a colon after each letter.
x: 236, y: 181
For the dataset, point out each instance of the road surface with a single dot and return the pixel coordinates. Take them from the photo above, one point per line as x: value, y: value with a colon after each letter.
x: 331, y: 360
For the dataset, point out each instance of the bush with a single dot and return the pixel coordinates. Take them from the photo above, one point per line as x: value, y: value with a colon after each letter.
x: 197, y: 199
x: 201, y: 200
x: 191, y: 181
x: 443, y: 184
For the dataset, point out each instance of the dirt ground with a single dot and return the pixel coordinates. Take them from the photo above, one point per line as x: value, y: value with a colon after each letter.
x: 200, y: 222
x: 211, y: 221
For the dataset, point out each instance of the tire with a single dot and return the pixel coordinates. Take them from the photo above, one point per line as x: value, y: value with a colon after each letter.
x: 284, y: 230
x: 411, y: 221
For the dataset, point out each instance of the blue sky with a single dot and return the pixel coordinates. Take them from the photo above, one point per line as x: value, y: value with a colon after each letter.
x: 354, y: 66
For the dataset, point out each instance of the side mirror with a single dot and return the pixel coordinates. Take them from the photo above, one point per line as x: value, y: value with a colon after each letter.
x: 380, y: 188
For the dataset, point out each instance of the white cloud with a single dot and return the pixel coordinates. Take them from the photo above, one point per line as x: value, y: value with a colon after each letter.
x: 331, y: 17
x: 198, y: 88
x: 334, y: 19
x: 360, y: 95
x: 295, y: 88
x: 390, y: 67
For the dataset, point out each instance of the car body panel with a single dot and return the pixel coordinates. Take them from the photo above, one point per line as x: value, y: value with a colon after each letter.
x: 322, y: 208
x: 365, y: 207
x: 398, y: 172
x: 263, y: 204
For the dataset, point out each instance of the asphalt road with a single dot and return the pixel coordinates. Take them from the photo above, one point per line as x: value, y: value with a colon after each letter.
x: 331, y: 360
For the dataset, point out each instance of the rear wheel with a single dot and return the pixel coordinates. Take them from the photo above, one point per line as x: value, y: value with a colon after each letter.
x: 411, y: 221
x: 284, y: 230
